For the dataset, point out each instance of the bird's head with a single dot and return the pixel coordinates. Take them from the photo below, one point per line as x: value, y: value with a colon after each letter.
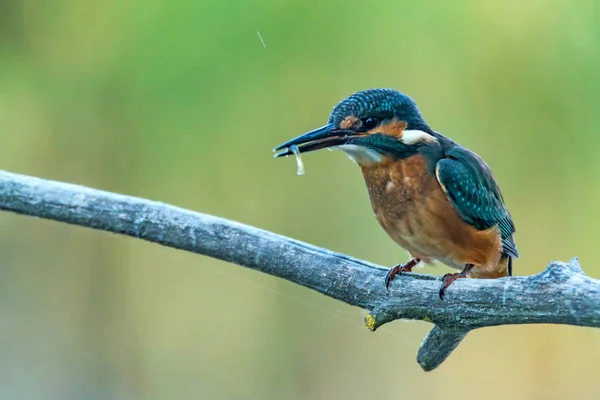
x: 369, y: 126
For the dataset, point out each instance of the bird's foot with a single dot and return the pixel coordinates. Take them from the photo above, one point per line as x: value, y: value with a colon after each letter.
x: 399, y: 269
x: 449, y: 278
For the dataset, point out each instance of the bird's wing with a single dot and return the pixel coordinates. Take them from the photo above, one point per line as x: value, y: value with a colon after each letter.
x: 469, y: 184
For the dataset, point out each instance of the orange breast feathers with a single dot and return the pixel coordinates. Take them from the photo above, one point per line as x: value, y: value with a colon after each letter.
x: 413, y: 209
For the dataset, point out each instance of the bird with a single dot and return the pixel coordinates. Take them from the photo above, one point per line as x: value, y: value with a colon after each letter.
x: 436, y: 199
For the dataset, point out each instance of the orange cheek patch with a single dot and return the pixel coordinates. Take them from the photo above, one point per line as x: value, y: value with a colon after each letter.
x: 393, y: 128
x: 348, y: 122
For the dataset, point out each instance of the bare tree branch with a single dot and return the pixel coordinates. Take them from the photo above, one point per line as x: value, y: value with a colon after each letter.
x: 561, y: 294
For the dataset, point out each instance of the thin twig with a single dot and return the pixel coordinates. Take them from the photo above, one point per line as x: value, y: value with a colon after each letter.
x: 561, y: 294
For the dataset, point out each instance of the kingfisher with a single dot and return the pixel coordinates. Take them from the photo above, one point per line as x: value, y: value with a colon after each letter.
x: 434, y: 198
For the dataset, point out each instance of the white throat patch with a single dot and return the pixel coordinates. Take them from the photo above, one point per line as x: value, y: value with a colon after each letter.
x: 361, y: 155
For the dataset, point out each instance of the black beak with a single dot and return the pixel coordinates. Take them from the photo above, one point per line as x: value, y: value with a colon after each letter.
x: 320, y: 138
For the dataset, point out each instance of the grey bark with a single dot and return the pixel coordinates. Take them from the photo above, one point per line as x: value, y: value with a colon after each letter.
x: 561, y: 294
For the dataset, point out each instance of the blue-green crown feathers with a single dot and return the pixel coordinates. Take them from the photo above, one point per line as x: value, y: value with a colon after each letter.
x: 378, y: 103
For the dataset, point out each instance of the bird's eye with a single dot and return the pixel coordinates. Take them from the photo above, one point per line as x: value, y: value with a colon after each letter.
x: 369, y: 123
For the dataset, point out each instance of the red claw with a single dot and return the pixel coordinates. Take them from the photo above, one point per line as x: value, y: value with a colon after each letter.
x: 449, y: 278
x: 399, y: 269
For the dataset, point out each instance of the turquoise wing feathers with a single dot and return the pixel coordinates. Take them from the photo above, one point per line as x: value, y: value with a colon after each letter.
x: 472, y: 189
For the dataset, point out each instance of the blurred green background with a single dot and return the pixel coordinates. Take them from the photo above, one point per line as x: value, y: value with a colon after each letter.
x: 181, y: 102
